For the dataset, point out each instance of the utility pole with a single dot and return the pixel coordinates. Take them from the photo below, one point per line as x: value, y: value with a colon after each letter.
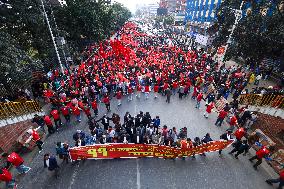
x: 238, y: 16
x: 52, y: 37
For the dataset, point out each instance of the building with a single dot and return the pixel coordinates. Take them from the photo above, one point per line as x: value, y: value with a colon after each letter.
x: 174, y: 6
x: 201, y: 11
x: 153, y: 8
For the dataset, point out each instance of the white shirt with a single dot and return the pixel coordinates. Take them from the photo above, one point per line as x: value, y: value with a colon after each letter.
x: 47, y: 162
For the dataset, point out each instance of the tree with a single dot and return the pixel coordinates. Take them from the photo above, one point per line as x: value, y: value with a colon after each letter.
x: 257, y: 35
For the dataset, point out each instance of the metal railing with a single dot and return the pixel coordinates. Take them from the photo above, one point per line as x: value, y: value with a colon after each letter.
x: 14, y: 109
x: 272, y: 100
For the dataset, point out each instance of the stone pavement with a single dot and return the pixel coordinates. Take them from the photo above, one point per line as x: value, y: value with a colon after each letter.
x: 211, y: 171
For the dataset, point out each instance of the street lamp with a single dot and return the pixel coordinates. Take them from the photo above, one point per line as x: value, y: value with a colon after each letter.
x: 238, y: 16
x: 52, y: 37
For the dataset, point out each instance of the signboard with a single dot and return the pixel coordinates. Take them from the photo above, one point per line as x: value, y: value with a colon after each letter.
x: 201, y: 39
x: 118, y: 150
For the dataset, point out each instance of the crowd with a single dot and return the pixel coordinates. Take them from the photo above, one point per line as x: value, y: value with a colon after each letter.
x: 133, y: 65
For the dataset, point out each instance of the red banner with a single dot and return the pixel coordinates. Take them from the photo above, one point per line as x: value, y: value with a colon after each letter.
x: 118, y: 150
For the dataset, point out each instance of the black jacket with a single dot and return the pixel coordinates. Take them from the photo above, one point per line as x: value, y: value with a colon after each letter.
x: 52, y: 164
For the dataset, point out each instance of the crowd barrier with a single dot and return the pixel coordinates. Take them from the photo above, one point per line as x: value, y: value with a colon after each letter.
x: 272, y: 100
x: 14, y: 109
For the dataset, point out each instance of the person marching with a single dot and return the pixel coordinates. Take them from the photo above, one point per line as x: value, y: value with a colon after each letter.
x: 65, y: 110
x: 139, y: 89
x: 7, y: 177
x: 95, y: 107
x: 156, y: 90
x: 226, y: 136
x: 280, y: 180
x: 263, y: 152
x: 147, y: 91
x: 16, y: 160
x: 209, y: 109
x: 56, y: 117
x: 243, y: 147
x: 49, y: 124
x: 221, y: 117
x: 76, y: 111
x: 35, y: 137
x: 118, y: 95
x: 106, y: 101
x: 198, y: 100
x: 130, y: 93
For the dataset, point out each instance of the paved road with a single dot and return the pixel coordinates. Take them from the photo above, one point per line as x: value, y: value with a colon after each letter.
x: 207, y: 172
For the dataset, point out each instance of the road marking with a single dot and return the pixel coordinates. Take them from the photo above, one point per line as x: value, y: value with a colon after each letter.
x: 74, y: 175
x: 138, y: 174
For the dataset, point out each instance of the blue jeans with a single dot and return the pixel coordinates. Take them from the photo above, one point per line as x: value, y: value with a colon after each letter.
x: 22, y: 168
x: 78, y: 118
x: 197, y: 104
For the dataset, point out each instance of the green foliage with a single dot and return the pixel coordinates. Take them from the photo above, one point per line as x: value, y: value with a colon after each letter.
x: 256, y: 35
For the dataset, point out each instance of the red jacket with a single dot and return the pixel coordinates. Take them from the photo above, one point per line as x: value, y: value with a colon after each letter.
x: 139, y: 88
x: 199, y: 97
x: 55, y: 114
x: 209, y: 108
x: 147, y: 88
x: 65, y: 110
x: 94, y: 105
x: 118, y: 95
x: 47, y: 120
x: 6, y: 176
x: 76, y: 110
x: 130, y: 90
x: 15, y: 159
x: 222, y: 114
x: 35, y: 135
x: 282, y: 175
x: 233, y: 120
x: 87, y: 110
x: 262, y: 152
x: 156, y: 88
x: 106, y: 100
x: 240, y: 133
x: 175, y: 85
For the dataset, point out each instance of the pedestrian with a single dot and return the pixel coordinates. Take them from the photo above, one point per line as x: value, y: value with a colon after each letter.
x: 62, y: 150
x: 16, y: 160
x: 226, y: 136
x: 49, y: 124
x: 39, y: 121
x: 87, y: 111
x: 168, y: 95
x: 257, y: 79
x: 77, y: 113
x: 95, y: 107
x: 156, y: 124
x: 263, y: 152
x: 180, y: 91
x: 118, y: 95
x: 207, y: 138
x: 7, y: 177
x: 139, y: 88
x: 106, y: 101
x: 222, y: 115
x: 56, y: 118
x: 243, y: 147
x: 198, y: 100
x: 130, y: 93
x: 156, y: 90
x: 240, y: 133
x: 36, y: 138
x: 66, y: 111
x: 50, y: 163
x: 79, y: 138
x: 233, y: 123
x: 105, y: 121
x: 208, y: 109
x: 147, y: 91
x: 279, y: 180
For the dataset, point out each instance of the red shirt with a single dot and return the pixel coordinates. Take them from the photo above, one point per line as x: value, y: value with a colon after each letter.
x: 87, y: 110
x: 199, y: 97
x: 147, y: 88
x: 65, y: 110
x: 15, y: 159
x: 240, y: 133
x: 35, y: 135
x: 282, y: 175
x: 175, y: 85
x: 209, y: 108
x: 118, y: 95
x: 6, y: 176
x: 76, y: 110
x: 156, y: 88
x: 94, y: 105
x: 55, y: 114
x: 106, y: 100
x: 222, y: 114
x: 233, y: 120
x: 139, y: 88
x: 130, y: 90
x: 47, y: 120
x: 262, y: 152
